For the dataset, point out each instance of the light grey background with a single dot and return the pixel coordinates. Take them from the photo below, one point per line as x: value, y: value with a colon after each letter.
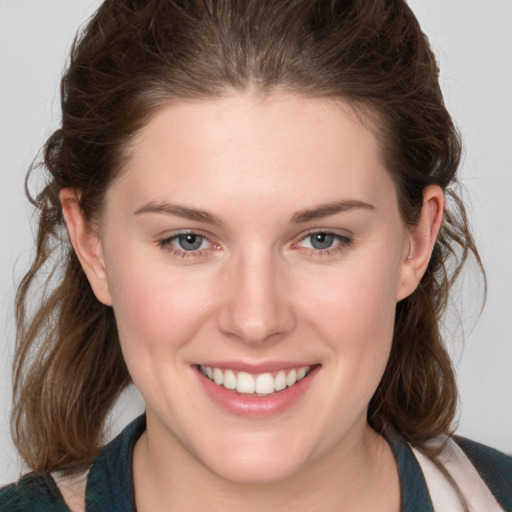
x: 473, y: 42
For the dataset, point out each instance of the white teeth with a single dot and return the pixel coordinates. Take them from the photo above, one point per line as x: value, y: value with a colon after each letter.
x: 229, y: 380
x: 245, y: 383
x: 262, y: 384
x: 291, y: 378
x: 218, y: 376
x: 280, y: 381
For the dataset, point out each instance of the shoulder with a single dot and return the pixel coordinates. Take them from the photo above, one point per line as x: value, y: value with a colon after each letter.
x: 34, y: 492
x: 493, y: 466
x: 107, y: 485
x: 110, y: 478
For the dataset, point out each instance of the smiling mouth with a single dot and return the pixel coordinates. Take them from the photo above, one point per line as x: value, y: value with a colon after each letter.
x: 261, y: 384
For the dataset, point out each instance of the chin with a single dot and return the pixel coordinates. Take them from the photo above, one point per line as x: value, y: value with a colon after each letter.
x: 261, y: 461
x: 256, y: 472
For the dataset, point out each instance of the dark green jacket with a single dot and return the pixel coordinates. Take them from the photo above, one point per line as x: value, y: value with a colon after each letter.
x: 110, y: 489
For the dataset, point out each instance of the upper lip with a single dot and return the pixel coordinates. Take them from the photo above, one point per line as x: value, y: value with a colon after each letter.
x: 256, y: 368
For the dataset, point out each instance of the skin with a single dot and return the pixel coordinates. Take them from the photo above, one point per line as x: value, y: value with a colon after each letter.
x: 256, y: 291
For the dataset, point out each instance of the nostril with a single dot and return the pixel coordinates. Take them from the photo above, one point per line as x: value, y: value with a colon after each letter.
x: 255, y: 308
x: 254, y: 326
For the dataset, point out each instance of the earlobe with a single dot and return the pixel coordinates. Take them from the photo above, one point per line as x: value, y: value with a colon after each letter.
x: 86, y: 243
x: 421, y: 239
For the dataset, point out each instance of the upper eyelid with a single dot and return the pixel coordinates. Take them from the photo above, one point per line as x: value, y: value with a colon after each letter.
x: 344, y: 235
x: 166, y: 241
x: 328, y: 232
x: 342, y: 241
x: 167, y: 244
x: 175, y: 234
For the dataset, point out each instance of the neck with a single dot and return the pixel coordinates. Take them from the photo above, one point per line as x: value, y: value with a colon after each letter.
x: 358, y: 475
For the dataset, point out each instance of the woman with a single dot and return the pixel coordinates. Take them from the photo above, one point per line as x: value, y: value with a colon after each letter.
x: 260, y: 217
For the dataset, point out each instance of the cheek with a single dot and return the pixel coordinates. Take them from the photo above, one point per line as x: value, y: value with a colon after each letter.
x: 354, y: 311
x: 156, y: 309
x: 355, y: 302
x: 157, y: 315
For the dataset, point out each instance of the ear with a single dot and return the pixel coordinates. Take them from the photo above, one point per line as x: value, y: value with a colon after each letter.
x: 421, y: 239
x: 86, y: 243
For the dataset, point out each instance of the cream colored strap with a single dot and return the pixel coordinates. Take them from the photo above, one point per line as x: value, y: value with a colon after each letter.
x: 444, y: 498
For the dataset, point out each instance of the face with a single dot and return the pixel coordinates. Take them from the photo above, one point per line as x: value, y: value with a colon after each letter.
x: 254, y: 254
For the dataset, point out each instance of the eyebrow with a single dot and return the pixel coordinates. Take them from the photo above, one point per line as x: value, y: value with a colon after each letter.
x: 179, y: 211
x: 325, y: 210
x: 319, y: 212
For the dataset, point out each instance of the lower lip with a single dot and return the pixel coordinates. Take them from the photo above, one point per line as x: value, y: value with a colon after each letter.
x: 252, y: 406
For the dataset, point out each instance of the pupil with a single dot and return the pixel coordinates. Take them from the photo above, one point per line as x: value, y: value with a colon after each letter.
x: 321, y: 240
x: 190, y: 242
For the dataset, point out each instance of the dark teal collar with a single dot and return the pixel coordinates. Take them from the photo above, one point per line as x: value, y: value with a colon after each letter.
x: 414, y: 495
x: 110, y: 480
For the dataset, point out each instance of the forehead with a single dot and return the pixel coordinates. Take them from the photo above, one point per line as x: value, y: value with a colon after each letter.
x: 254, y: 146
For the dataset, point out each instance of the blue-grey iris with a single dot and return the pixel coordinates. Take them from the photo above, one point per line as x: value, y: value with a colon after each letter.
x: 321, y: 240
x: 190, y: 242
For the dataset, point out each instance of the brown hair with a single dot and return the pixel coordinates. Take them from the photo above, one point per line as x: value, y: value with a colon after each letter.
x: 131, y: 59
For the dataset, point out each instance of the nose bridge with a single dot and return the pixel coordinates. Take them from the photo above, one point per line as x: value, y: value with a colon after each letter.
x: 255, y: 308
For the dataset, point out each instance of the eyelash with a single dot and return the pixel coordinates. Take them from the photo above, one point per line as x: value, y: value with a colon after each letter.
x: 167, y: 245
x: 343, y: 242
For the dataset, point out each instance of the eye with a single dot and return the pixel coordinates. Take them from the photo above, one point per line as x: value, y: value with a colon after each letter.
x: 321, y: 241
x: 189, y: 241
x: 187, y: 244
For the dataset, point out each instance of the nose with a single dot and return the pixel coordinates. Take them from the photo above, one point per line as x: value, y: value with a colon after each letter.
x: 256, y: 305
